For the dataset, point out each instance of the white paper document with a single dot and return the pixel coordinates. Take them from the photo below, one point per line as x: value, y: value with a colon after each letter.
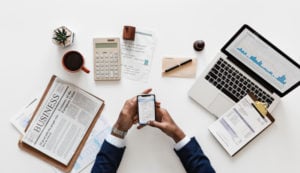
x: 22, y: 118
x: 239, y: 125
x: 61, y: 122
x: 137, y: 55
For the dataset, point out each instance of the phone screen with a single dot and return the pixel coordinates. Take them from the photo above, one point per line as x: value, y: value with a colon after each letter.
x: 146, y: 108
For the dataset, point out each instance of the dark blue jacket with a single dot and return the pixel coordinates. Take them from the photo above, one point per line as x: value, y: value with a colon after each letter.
x: 191, y: 156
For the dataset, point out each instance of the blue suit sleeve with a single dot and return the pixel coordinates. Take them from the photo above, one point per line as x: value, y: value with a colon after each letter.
x: 193, y: 158
x: 108, y: 159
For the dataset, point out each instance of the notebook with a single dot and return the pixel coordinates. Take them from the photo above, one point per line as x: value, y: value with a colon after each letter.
x: 247, y: 63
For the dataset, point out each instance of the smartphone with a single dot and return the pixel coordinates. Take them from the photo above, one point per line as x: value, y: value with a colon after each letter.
x: 146, y: 108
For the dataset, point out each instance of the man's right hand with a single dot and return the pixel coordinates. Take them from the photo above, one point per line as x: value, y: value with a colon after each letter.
x: 166, y: 124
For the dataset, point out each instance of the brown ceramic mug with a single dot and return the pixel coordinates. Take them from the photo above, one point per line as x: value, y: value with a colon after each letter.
x: 73, y: 61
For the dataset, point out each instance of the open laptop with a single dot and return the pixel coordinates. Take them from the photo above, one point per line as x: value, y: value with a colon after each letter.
x: 247, y: 63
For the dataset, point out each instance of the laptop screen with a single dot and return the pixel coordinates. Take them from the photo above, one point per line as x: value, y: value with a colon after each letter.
x: 268, y: 63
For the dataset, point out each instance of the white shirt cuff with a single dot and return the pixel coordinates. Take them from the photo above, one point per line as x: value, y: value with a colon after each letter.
x: 182, y: 143
x: 115, y: 141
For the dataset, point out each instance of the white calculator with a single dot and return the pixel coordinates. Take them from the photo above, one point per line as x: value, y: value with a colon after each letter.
x: 107, y: 59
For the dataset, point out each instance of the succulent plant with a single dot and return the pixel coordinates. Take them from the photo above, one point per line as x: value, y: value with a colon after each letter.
x: 61, y: 35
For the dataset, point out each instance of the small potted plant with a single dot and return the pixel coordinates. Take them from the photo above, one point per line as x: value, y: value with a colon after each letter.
x: 63, y: 36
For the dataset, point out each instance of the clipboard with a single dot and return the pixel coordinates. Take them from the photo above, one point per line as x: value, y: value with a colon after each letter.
x: 262, y: 109
x: 227, y: 134
x: 31, y: 150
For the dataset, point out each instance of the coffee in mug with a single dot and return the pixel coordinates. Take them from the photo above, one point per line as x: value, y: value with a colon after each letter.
x: 73, y: 61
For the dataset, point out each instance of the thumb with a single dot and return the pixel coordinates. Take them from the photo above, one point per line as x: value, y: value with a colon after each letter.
x: 155, y: 124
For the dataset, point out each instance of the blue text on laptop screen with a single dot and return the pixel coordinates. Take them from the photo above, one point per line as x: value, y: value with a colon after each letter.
x: 264, y: 60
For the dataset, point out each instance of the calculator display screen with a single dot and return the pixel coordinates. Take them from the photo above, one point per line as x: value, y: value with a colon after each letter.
x: 106, y: 45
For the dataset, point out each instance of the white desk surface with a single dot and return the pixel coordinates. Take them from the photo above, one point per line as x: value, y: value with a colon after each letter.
x: 29, y: 58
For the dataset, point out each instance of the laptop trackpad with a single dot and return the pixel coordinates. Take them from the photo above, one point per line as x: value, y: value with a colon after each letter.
x: 220, y: 105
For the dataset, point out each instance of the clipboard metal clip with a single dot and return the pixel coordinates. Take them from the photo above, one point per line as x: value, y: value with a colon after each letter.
x: 261, y: 107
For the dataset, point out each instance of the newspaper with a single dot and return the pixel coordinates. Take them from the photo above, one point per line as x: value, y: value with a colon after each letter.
x: 92, y: 146
x: 62, y: 120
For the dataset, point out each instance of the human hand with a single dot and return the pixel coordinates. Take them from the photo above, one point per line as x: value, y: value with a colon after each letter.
x: 128, y: 115
x: 166, y: 124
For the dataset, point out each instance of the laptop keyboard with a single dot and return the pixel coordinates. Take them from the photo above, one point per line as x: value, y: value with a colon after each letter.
x: 233, y: 83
